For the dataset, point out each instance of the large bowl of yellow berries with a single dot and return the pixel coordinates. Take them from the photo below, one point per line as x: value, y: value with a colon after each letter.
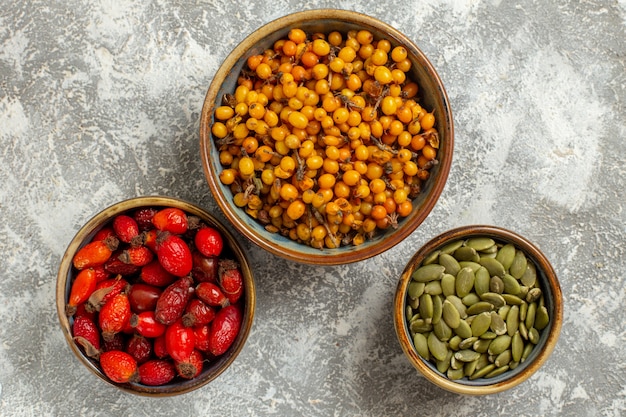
x: 326, y: 137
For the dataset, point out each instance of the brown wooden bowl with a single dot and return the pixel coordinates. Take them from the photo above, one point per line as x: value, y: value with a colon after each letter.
x: 546, y: 280
x: 67, y: 273
x: 432, y: 96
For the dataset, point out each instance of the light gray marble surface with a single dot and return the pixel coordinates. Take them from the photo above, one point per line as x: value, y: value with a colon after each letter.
x: 100, y: 101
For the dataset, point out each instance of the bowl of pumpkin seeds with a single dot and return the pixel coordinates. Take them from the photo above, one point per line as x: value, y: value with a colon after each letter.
x: 478, y: 309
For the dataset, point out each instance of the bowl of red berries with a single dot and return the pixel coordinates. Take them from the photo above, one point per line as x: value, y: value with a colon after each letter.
x: 326, y: 137
x: 155, y: 296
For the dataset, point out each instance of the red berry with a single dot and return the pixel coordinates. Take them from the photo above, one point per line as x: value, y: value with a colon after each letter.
x: 230, y: 280
x: 101, y: 273
x: 201, y: 334
x: 191, y: 367
x: 105, y: 290
x: 172, y: 302
x: 95, y: 253
x: 174, y: 254
x: 114, y: 316
x: 209, y: 241
x: 137, y: 255
x: 84, y: 284
x: 211, y: 294
x: 117, y: 266
x: 160, y: 351
x: 139, y: 347
x: 143, y: 297
x: 87, y: 335
x: 146, y: 325
x: 143, y: 217
x: 119, y: 366
x: 149, y: 238
x: 197, y: 313
x: 171, y: 219
x: 116, y: 343
x: 204, y: 268
x: 125, y: 227
x: 103, y: 233
x: 224, y: 329
x: 156, y: 372
x: 155, y: 274
x: 179, y: 341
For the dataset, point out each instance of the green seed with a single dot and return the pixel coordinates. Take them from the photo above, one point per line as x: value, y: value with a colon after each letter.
x: 499, y: 344
x: 493, y: 266
x: 533, y: 335
x: 496, y: 285
x: 450, y: 314
x: 512, y: 299
x: 448, y: 284
x: 503, y: 358
x: 523, y: 310
x: 498, y: 325
x: 415, y: 289
x: 530, y: 315
x: 491, y: 251
x: 488, y: 335
x: 497, y: 372
x: 511, y: 285
x: 426, y: 307
x: 408, y: 312
x: 421, y: 345
x: 470, y: 367
x: 481, y: 280
x: 518, y: 267
x: 413, y: 302
x: 444, y: 365
x: 483, y: 371
x: 467, y: 355
x: 432, y: 257
x: 503, y: 311
x: 437, y: 348
x: 523, y: 330
x: 464, y: 330
x: 451, y: 265
x: 468, y: 343
x: 465, y: 253
x: 481, y: 345
x: 427, y: 273
x: 480, y: 324
x: 542, y: 318
x: 505, y: 255
x: 479, y: 307
x: 517, y: 347
x: 482, y: 361
x: 469, y: 264
x: 451, y: 247
x: 458, y: 303
x: 528, y: 348
x: 464, y: 282
x: 454, y: 342
x: 513, y: 365
x: 529, y: 277
x: 420, y: 326
x: 433, y: 288
x: 494, y: 298
x: 480, y: 243
x: 455, y: 374
x: 471, y: 298
x: 437, y: 308
x: 442, y: 330
x: 534, y: 294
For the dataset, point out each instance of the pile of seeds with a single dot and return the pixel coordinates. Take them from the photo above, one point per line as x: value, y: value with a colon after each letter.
x: 474, y: 308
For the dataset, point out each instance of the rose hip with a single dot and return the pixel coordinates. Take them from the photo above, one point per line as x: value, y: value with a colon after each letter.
x: 95, y: 253
x: 125, y: 227
x: 224, y: 329
x: 155, y: 274
x: 105, y: 290
x: 174, y: 254
x: 143, y: 297
x: 143, y: 217
x: 209, y: 241
x: 139, y: 347
x: 137, y: 255
x: 230, y: 280
x: 160, y: 350
x: 201, y: 334
x: 211, y: 294
x: 115, y: 265
x: 82, y: 287
x: 156, y: 372
x: 119, y: 366
x: 114, y: 315
x: 179, y: 341
x: 197, y: 313
x: 173, y: 300
x: 87, y: 335
x: 204, y: 268
x: 191, y: 367
x: 171, y: 219
x: 146, y: 325
x: 116, y: 343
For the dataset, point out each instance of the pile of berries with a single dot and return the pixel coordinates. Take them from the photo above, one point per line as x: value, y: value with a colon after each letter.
x: 155, y: 296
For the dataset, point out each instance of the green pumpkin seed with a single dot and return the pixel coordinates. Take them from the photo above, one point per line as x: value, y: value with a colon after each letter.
x: 529, y: 278
x: 512, y: 299
x: 503, y: 358
x: 464, y: 330
x: 523, y: 330
x: 511, y: 285
x: 413, y: 303
x: 426, y: 307
x: 427, y: 273
x: 451, y: 265
x: 494, y: 298
x: 483, y: 371
x: 497, y: 372
x: 437, y: 308
x: 469, y: 264
x: 488, y: 335
x: 420, y: 326
x: 533, y: 335
x: 481, y: 280
x: 437, y: 348
x: 499, y: 344
x: 512, y: 320
x: 455, y: 374
x: 415, y: 289
x: 464, y: 282
x: 482, y: 361
x: 465, y: 253
x: 496, y: 285
x: 466, y: 355
x: 518, y: 267
x: 528, y: 348
x: 444, y: 365
x: 454, y: 342
x: 513, y: 365
x: 480, y: 243
x: 450, y: 314
x: 491, y: 251
x: 433, y: 288
x: 498, y: 325
x: 523, y: 310
x: 541, y: 318
x: 451, y: 247
x: 448, y: 285
x: 534, y: 294
x: 530, y: 315
x: 470, y: 367
x: 480, y: 324
x: 421, y: 345
x: 481, y: 345
x: 455, y: 363
x: 408, y: 312
x: 505, y: 255
x: 517, y: 347
x: 468, y: 342
x: 479, y: 307
x: 442, y: 330
x: 494, y: 267
x: 458, y: 303
x: 471, y: 298
x: 431, y: 258
x: 523, y: 291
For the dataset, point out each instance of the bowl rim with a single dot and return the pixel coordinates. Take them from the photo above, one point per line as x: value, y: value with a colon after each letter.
x: 95, y: 223
x: 499, y: 234
x: 326, y: 256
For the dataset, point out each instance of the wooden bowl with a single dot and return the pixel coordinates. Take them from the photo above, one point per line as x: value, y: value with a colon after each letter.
x: 546, y: 280
x: 432, y: 96
x: 232, y: 249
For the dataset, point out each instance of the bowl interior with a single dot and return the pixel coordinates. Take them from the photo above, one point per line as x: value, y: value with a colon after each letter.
x: 432, y: 95
x: 547, y: 281
x: 231, y: 248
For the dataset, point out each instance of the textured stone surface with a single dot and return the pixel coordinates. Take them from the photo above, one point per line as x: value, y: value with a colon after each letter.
x: 100, y: 101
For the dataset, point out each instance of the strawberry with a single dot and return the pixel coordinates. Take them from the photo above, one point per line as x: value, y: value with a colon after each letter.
x: 224, y: 329
x: 114, y: 316
x: 119, y: 366
x: 171, y: 219
x: 191, y: 367
x: 209, y: 241
x: 156, y: 372
x: 174, y: 254
x: 172, y: 302
x: 179, y: 341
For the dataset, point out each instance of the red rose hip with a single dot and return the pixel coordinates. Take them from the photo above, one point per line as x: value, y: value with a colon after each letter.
x: 156, y: 372
x: 209, y: 241
x: 224, y: 329
x: 119, y: 366
x: 174, y: 254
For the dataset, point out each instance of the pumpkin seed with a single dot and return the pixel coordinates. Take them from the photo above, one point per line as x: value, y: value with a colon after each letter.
x: 437, y: 348
x: 427, y: 273
x: 451, y: 247
x: 479, y: 307
x: 470, y: 367
x: 414, y: 303
x: 465, y: 253
x: 530, y: 315
x: 426, y: 307
x: 482, y: 361
x: 529, y: 277
x: 523, y: 310
x: 523, y: 330
x: 467, y: 355
x: 498, y: 371
x: 421, y: 345
x: 469, y: 264
x: 420, y: 326
x: 471, y: 298
x: 533, y: 295
x: 481, y: 280
x: 499, y: 344
x: 517, y: 347
x: 512, y: 320
x: 513, y: 365
x: 503, y: 358
x: 518, y: 267
x: 451, y: 265
x: 408, y: 312
x: 528, y: 348
x: 458, y: 303
x: 464, y: 282
x: 488, y: 335
x: 496, y: 285
x: 493, y: 266
x: 455, y: 363
x: 468, y: 342
x: 454, y: 342
x: 431, y: 258
x: 511, y: 285
x: 444, y: 365
x: 433, y: 288
x: 464, y: 330
x: 442, y: 330
x: 416, y: 289
x: 455, y: 374
x: 498, y: 325
x: 533, y: 335
x: 448, y: 284
x: 480, y: 324
x: 505, y: 255
x: 483, y: 371
x: 494, y: 298
x: 512, y: 299
x: 481, y: 345
x: 504, y: 310
x: 437, y: 308
x: 450, y: 314
x: 480, y: 243
x: 541, y: 318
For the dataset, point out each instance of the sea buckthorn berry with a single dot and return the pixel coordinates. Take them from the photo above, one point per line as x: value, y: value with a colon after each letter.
x: 399, y: 53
